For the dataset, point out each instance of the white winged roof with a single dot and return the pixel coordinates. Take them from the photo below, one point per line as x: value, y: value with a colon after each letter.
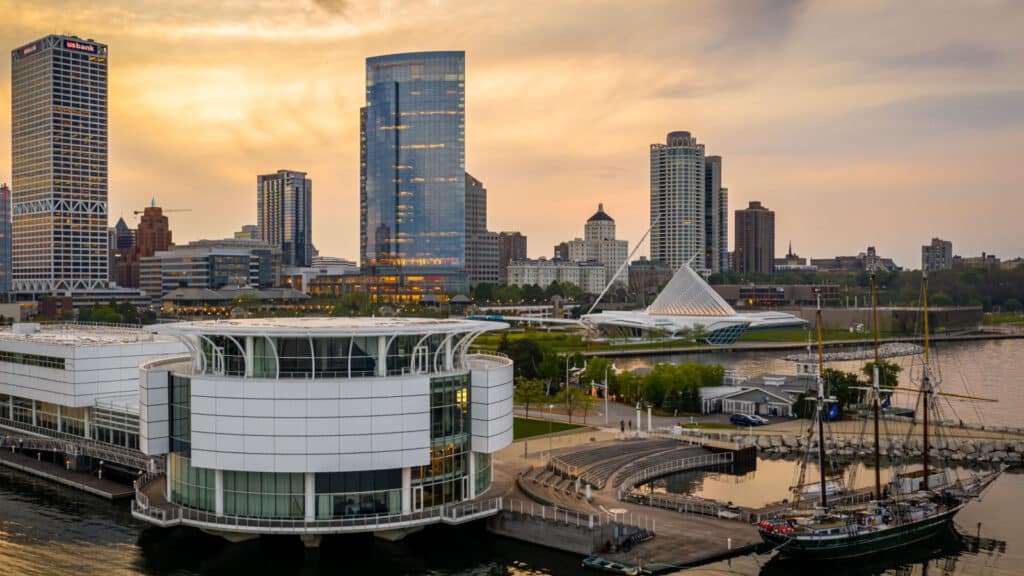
x: 687, y: 294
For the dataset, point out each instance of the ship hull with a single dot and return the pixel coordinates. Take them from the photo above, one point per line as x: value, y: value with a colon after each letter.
x: 829, y: 548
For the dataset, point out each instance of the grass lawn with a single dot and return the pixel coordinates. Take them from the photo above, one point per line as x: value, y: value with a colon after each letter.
x: 524, y: 428
x: 562, y: 342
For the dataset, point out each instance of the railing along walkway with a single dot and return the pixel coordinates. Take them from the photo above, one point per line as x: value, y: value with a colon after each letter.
x: 674, y: 466
x: 51, y: 440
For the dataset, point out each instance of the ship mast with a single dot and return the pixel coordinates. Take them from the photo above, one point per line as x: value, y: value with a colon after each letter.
x: 820, y: 412
x: 925, y: 381
x: 874, y: 325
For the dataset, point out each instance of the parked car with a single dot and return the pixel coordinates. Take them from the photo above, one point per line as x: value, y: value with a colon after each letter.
x: 743, y: 420
x: 759, y: 419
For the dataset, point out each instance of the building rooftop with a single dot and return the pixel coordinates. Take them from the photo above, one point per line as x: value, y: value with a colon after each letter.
x: 73, y: 334
x: 341, y: 326
x: 600, y: 215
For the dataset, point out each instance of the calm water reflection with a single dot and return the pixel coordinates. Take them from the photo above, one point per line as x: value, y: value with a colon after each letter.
x: 990, y: 368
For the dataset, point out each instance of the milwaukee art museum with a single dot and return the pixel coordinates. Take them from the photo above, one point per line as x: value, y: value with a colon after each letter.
x: 686, y: 303
x: 315, y: 426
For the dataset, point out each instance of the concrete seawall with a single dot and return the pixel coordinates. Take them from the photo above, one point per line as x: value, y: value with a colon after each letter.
x: 567, y: 537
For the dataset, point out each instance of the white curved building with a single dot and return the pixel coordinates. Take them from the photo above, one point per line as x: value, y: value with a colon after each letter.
x: 685, y: 303
x: 313, y: 426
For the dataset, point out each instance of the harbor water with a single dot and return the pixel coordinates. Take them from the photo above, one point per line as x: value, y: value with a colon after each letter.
x: 47, y: 529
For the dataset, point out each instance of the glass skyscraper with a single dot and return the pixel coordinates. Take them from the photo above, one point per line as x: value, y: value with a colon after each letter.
x: 412, y: 177
x: 284, y: 212
x: 59, y: 158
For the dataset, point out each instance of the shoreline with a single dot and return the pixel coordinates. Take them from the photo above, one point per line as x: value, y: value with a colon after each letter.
x: 779, y: 346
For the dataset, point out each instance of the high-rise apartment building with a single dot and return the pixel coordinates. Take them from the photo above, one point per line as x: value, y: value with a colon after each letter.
x: 716, y: 216
x: 284, y: 214
x: 5, y: 238
x: 678, y: 202
x: 248, y: 232
x: 481, y: 244
x: 511, y: 246
x: 755, y: 240
x: 413, y: 169
x: 938, y: 255
x: 59, y: 157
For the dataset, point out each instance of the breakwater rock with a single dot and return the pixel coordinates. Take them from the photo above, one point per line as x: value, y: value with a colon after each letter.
x: 887, y: 350
x: 964, y: 450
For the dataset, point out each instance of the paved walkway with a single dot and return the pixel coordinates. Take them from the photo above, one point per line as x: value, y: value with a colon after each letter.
x: 680, y: 538
x: 780, y: 426
x: 104, y: 488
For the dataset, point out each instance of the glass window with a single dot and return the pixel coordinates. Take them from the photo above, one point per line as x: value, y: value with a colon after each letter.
x: 295, y: 357
x: 264, y: 494
x: 180, y: 414
x: 364, y: 356
x: 191, y: 487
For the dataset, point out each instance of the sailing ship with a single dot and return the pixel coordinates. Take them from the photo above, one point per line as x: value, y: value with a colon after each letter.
x: 913, y: 507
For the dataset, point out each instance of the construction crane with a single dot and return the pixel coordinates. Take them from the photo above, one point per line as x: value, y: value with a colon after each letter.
x: 152, y: 204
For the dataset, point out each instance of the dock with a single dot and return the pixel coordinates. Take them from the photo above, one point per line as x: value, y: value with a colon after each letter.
x: 101, y: 487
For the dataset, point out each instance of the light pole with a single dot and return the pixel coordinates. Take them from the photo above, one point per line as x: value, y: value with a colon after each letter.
x: 551, y: 408
x: 606, y: 395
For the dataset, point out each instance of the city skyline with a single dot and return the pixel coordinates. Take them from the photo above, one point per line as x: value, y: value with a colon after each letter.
x: 867, y: 129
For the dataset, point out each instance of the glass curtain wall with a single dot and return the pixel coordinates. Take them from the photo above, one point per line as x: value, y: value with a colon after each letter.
x: 180, y: 414
x: 341, y: 494
x: 412, y: 197
x: 483, y: 472
x: 191, y: 487
x: 264, y: 494
x: 445, y: 479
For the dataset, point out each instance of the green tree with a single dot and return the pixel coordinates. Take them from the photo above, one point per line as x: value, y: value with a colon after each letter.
x: 596, y: 370
x: 699, y: 333
x: 525, y: 353
x: 888, y: 373
x: 570, y: 397
x: 585, y: 401
x: 529, y: 392
x: 1012, y: 305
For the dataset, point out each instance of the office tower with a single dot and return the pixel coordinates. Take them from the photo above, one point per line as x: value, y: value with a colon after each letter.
x: 599, y: 245
x: 121, y: 241
x: 284, y: 212
x: 716, y: 216
x: 59, y: 153
x: 248, y: 232
x: 5, y: 238
x: 511, y: 246
x: 755, y: 240
x: 481, y: 244
x: 210, y: 264
x: 124, y: 237
x: 937, y: 256
x: 412, y: 170
x: 678, y: 198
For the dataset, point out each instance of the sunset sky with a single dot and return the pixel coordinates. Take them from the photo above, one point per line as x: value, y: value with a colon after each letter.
x: 859, y: 123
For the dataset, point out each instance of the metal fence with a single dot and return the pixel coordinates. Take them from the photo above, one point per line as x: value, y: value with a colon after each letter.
x: 666, y: 468
x: 80, y: 446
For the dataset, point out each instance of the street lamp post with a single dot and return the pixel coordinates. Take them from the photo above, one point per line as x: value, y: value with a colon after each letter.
x: 551, y: 408
x: 606, y: 395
